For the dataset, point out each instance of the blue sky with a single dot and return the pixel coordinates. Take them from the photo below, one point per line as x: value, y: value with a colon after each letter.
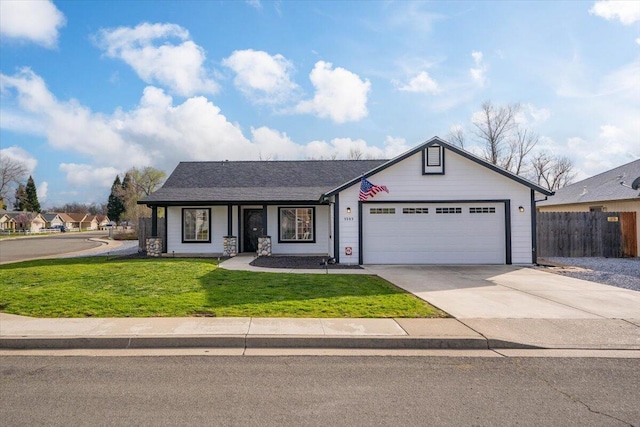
x: 90, y: 89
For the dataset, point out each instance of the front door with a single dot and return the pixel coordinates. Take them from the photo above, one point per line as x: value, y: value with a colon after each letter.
x: 252, y: 229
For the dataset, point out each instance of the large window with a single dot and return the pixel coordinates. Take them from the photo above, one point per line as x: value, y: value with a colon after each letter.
x: 297, y: 225
x: 196, y: 224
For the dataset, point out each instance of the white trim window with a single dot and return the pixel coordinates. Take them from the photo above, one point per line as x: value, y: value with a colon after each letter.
x: 196, y: 224
x: 297, y: 225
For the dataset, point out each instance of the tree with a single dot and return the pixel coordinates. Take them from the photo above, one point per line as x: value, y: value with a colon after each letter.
x: 504, y: 142
x: 20, y: 198
x: 551, y: 171
x: 115, y: 205
x: 32, y: 204
x: 12, y: 172
x: 136, y: 184
x: 146, y: 180
x: 493, y: 126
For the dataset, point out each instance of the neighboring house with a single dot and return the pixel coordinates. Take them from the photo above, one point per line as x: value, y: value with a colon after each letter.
x: 31, y: 222
x: 7, y: 223
x: 103, y: 220
x: 74, y: 221
x: 90, y: 222
x: 52, y: 219
x: 443, y: 206
x: 609, y: 191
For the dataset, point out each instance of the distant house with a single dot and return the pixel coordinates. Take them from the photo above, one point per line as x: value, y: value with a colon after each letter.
x: 31, y: 222
x: 434, y: 204
x: 74, y: 221
x: 609, y: 191
x: 103, y: 220
x: 52, y: 220
x: 7, y: 223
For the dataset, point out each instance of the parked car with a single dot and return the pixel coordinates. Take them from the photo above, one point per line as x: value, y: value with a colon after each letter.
x: 62, y: 228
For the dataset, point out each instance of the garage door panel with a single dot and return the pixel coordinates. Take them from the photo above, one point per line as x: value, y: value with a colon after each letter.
x: 456, y: 233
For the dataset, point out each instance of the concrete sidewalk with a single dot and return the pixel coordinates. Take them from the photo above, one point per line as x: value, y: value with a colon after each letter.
x: 242, y: 263
x: 18, y: 332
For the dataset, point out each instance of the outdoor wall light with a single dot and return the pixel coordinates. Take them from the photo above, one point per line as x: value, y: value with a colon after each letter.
x: 348, y: 210
x: 521, y: 208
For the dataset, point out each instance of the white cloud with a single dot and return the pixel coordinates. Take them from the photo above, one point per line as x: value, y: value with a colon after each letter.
x: 343, y: 148
x: 627, y: 11
x: 421, y: 83
x: 638, y: 41
x: 87, y: 175
x: 20, y: 155
x: 274, y: 145
x: 261, y: 77
x: 478, y: 73
x: 42, y: 191
x: 256, y: 4
x: 35, y: 21
x: 179, y: 66
x: 339, y: 94
x: 156, y: 132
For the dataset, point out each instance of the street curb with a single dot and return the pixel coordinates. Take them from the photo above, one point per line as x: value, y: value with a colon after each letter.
x: 256, y: 341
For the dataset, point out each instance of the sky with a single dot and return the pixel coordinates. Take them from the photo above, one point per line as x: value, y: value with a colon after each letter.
x: 89, y: 89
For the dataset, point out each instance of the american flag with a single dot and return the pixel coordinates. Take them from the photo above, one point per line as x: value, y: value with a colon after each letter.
x: 368, y: 189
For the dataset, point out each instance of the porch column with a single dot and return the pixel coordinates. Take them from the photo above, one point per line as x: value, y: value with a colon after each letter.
x: 264, y: 220
x: 229, y: 220
x: 154, y: 221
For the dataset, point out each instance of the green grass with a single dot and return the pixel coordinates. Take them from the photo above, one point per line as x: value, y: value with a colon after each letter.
x: 176, y: 287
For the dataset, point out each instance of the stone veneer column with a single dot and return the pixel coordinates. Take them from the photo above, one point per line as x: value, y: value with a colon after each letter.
x: 230, y: 246
x: 154, y: 246
x: 264, y: 246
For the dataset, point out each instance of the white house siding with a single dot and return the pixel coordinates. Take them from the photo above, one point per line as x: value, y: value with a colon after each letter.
x: 174, y: 231
x: 464, y: 179
x: 321, y: 245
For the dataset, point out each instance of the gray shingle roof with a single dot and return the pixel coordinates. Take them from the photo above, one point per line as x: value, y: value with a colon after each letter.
x: 257, y: 181
x: 603, y: 187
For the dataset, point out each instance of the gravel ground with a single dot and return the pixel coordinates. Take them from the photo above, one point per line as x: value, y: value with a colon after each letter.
x: 620, y: 272
x: 306, y: 262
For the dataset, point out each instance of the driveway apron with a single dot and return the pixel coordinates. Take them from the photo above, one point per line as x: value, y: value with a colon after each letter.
x: 511, y: 292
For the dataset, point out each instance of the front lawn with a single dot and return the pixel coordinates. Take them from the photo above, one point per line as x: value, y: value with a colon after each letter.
x: 177, y: 287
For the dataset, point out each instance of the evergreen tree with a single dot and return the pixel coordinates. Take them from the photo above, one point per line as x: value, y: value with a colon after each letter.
x: 115, y: 205
x: 20, y: 198
x: 32, y: 204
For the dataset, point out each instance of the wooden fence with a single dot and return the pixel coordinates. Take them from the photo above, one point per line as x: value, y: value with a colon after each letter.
x: 586, y: 234
x: 144, y: 232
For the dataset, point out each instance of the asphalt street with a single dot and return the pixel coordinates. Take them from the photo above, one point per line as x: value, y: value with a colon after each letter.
x: 366, y: 391
x: 12, y: 250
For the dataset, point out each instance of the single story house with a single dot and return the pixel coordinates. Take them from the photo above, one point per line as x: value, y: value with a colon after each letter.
x: 53, y: 219
x: 434, y: 204
x: 610, y: 191
x: 22, y: 221
x: 7, y: 223
x: 103, y: 220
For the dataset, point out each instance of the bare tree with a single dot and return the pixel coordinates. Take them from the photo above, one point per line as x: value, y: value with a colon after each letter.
x: 457, y: 136
x: 520, y: 145
x: 12, y: 172
x: 493, y: 127
x: 355, y: 153
x: 551, y: 171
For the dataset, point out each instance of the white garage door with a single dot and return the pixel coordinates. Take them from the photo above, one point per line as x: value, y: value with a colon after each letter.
x: 433, y: 233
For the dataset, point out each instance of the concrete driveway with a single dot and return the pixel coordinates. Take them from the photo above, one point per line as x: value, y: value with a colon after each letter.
x: 511, y: 292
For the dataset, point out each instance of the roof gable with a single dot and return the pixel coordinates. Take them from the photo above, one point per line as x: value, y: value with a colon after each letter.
x: 437, y: 141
